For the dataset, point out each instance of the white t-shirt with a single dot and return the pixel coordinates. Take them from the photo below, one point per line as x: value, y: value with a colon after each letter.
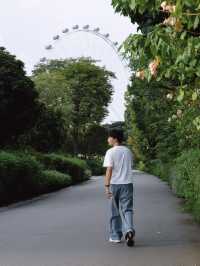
x: 120, y: 158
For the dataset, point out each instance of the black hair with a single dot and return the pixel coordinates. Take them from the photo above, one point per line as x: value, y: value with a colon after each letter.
x: 116, y: 134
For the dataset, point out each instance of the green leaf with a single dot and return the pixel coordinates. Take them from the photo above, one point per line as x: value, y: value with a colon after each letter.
x: 198, y: 7
x: 183, y: 35
x: 197, y: 72
x: 193, y: 62
x: 167, y: 74
x: 194, y: 96
x: 196, y: 22
x: 132, y: 4
x: 178, y: 11
x: 181, y: 95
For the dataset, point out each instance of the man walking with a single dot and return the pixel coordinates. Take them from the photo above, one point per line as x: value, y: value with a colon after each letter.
x: 119, y: 189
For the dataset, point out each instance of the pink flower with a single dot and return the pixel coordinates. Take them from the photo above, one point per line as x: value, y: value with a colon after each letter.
x: 169, y: 96
x: 179, y: 113
x: 140, y: 74
x: 168, y: 8
x: 153, y: 67
x: 163, y: 5
x: 171, y: 21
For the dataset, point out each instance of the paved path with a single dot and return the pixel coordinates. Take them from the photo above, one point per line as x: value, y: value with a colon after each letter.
x: 69, y: 228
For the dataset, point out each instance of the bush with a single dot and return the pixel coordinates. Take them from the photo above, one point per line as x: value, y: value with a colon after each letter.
x: 186, y: 180
x: 52, y: 180
x: 158, y: 168
x: 22, y: 175
x: 140, y: 166
x: 183, y: 175
x: 19, y: 176
x: 75, y: 167
x: 96, y: 166
x: 196, y: 209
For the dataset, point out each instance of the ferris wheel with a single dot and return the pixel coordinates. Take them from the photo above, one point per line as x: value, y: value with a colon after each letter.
x: 114, y: 45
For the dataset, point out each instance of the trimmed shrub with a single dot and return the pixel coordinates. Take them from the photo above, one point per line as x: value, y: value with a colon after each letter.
x: 75, y: 167
x: 141, y: 166
x: 158, y: 168
x: 23, y: 175
x: 52, y: 180
x: 196, y: 209
x: 96, y: 166
x: 183, y: 175
x: 186, y: 180
x: 19, y: 176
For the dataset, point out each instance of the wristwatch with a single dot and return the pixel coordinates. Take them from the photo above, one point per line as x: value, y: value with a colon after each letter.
x: 107, y: 185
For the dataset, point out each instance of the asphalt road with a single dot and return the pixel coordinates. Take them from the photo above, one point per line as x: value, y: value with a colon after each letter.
x: 70, y: 227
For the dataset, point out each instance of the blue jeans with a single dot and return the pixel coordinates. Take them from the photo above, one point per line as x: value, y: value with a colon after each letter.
x: 122, y: 202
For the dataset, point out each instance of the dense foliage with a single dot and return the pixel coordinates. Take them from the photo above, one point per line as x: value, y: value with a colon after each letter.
x: 48, y: 134
x: 71, y: 86
x: 19, y: 176
x: 185, y: 180
x: 163, y: 106
x: 76, y: 168
x: 25, y: 174
x: 40, y: 124
x: 18, y: 99
x: 166, y: 78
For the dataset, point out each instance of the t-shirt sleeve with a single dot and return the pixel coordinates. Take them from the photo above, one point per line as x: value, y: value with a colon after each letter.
x: 108, y: 161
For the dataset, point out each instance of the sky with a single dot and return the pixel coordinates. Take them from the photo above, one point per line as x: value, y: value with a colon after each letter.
x: 27, y: 26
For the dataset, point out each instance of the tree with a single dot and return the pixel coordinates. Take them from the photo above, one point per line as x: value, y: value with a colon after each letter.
x: 142, y: 12
x: 94, y: 142
x: 150, y: 132
x: 85, y: 90
x: 52, y: 88
x: 18, y: 99
x: 147, y: 14
x: 48, y: 134
x: 165, y: 90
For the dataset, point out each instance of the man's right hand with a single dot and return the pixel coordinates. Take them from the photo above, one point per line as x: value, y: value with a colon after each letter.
x: 108, y: 193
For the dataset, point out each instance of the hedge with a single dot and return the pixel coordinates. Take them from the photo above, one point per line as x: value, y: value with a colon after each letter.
x: 24, y: 175
x: 76, y: 168
x: 183, y: 176
x: 185, y: 180
x: 19, y: 176
x: 158, y: 168
x: 52, y: 180
x: 96, y: 166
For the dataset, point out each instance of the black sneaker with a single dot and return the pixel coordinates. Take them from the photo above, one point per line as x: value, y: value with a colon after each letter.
x: 129, y: 237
